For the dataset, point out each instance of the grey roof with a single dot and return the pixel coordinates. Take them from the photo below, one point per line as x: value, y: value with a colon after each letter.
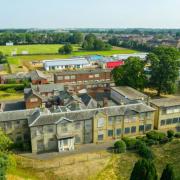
x: 63, y: 62
x: 42, y: 88
x: 166, y: 102
x: 45, y: 119
x: 85, y: 98
x: 15, y: 115
x: 37, y: 75
x: 129, y: 92
x: 83, y: 72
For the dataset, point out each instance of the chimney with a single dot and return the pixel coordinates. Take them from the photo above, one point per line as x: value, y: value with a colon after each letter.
x: 105, y: 102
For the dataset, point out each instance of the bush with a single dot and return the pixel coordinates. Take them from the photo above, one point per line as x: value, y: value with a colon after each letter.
x: 130, y: 142
x: 170, y: 133
x: 177, y: 135
x: 143, y: 150
x: 164, y: 140
x: 120, y: 146
x: 157, y: 136
x: 66, y: 49
x: 151, y: 142
x: 10, y: 90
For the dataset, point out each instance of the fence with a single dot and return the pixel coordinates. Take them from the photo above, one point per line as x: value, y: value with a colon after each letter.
x: 59, y: 162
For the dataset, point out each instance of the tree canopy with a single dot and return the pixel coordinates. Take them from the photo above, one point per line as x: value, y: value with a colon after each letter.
x: 66, y: 49
x: 144, y: 170
x: 164, y: 69
x: 131, y: 73
x: 91, y: 42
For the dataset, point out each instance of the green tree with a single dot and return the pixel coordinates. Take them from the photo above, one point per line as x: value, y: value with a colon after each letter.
x: 66, y: 49
x: 120, y: 146
x: 164, y: 69
x: 131, y: 74
x: 76, y: 38
x: 168, y: 173
x: 144, y: 170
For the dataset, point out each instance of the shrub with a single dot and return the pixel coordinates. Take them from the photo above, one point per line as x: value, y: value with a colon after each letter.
x: 151, y: 142
x: 143, y: 150
x: 120, y: 146
x: 177, y: 135
x: 164, y: 140
x: 170, y: 133
x: 17, y: 87
x: 10, y: 90
x: 130, y: 142
x: 155, y: 135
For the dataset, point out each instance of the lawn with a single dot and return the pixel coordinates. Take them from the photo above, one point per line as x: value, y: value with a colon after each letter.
x: 112, y: 167
x: 4, y: 96
x: 33, y: 49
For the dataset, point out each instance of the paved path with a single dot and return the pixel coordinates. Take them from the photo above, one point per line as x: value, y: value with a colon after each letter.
x: 85, y: 148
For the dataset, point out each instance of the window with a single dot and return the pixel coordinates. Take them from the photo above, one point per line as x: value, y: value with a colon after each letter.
x: 110, y: 120
x: 130, y: 118
x: 127, y: 130
x: 163, y: 122
x: 66, y: 77
x: 118, y: 119
x: 100, y: 122
x: 149, y: 115
x: 133, y: 129
x: 33, y: 99
x: 110, y: 133
x: 142, y: 116
x: 168, y: 121
x: 77, y: 139
x: 96, y: 75
x: 91, y: 76
x: 50, y: 129
x: 175, y: 120
x: 100, y: 135
x: 60, y: 77
x: 148, y: 127
x: 73, y: 77
x: 8, y: 125
x: 141, y: 128
x: 118, y: 132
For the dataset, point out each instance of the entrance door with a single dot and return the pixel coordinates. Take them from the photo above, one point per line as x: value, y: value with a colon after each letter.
x: 66, y: 144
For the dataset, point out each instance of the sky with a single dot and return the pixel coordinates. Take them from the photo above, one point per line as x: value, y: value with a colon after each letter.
x: 90, y: 14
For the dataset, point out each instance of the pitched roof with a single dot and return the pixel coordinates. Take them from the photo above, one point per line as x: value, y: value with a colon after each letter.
x: 37, y: 75
x: 166, y: 102
x: 129, y: 92
x: 45, y: 119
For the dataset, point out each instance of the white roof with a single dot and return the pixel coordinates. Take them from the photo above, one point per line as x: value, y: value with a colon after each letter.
x: 63, y: 62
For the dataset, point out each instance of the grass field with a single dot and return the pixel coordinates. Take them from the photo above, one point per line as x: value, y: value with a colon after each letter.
x: 4, y: 96
x: 114, y: 167
x: 33, y: 49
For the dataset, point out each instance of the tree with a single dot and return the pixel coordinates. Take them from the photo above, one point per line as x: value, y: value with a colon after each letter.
x: 120, y: 146
x: 66, y: 49
x: 164, y: 69
x: 114, y: 41
x: 2, y: 58
x: 131, y: 74
x: 76, y: 38
x: 168, y: 173
x: 144, y: 170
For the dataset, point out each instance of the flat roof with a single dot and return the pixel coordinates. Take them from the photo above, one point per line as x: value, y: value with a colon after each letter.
x: 166, y: 102
x: 63, y: 62
x: 129, y: 92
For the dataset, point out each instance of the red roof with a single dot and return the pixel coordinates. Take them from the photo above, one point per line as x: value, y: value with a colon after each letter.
x: 114, y: 64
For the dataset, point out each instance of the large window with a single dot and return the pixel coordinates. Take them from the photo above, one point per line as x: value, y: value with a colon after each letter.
x: 133, y: 129
x: 110, y: 120
x: 163, y: 122
x: 127, y: 130
x: 50, y: 129
x: 66, y: 77
x: 100, y: 135
x: 64, y: 127
x: 118, y: 132
x: 110, y: 132
x: 118, y: 119
x: 175, y: 120
x: 100, y: 122
x: 148, y: 127
x: 168, y: 121
x: 60, y: 77
x: 149, y: 115
x: 141, y: 128
x: 33, y: 100
x: 131, y: 118
x: 142, y: 116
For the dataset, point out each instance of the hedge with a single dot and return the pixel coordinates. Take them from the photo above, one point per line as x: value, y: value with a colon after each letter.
x: 157, y: 136
x: 17, y: 87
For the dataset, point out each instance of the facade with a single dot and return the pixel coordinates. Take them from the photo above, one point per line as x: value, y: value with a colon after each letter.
x: 82, y: 76
x: 167, y: 114
x: 66, y: 130
x: 60, y: 64
x: 38, y: 77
